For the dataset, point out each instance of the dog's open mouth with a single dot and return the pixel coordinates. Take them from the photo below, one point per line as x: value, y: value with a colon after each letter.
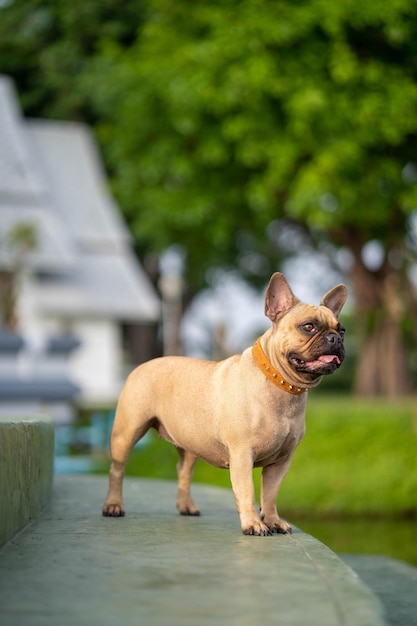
x: 324, y: 364
x: 330, y: 359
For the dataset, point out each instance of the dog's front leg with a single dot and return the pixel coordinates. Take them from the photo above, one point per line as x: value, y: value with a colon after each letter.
x: 272, y: 476
x: 241, y: 466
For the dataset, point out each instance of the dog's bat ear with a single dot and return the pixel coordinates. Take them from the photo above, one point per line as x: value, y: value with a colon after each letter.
x: 279, y: 297
x: 335, y: 299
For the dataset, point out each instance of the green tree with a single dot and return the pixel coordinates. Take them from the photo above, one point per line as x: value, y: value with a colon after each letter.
x: 14, y: 247
x: 52, y: 49
x: 237, y: 119
x: 246, y: 128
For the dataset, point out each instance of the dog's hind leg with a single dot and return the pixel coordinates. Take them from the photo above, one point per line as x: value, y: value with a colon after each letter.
x: 123, y: 438
x: 185, y: 504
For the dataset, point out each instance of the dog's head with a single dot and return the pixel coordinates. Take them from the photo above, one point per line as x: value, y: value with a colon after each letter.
x: 308, y: 340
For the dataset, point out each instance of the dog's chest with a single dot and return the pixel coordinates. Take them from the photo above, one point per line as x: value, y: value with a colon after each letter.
x: 278, y: 439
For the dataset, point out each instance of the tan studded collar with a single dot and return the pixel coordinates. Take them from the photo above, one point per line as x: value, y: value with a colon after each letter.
x: 271, y: 373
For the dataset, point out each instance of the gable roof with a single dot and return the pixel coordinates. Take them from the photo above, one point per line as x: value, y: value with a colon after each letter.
x: 70, y: 161
x: 51, y: 176
x: 24, y: 195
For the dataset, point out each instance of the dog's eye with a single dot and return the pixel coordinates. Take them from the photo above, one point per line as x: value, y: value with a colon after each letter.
x: 341, y: 330
x: 309, y: 327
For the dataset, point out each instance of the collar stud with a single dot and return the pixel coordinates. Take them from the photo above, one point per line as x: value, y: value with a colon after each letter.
x: 271, y: 373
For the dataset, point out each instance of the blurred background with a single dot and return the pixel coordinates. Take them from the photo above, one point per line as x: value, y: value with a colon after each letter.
x: 158, y: 161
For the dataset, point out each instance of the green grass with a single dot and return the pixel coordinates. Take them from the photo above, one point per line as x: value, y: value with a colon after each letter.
x: 358, y: 458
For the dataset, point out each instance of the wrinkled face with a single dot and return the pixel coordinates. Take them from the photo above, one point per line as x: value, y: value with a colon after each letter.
x: 312, y: 340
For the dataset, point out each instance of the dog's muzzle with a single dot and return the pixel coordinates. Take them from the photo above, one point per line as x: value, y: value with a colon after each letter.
x: 327, y: 356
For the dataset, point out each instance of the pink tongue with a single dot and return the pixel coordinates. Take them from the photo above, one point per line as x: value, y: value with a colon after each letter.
x: 329, y: 358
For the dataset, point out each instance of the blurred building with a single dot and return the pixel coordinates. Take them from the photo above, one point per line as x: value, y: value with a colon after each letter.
x: 81, y: 289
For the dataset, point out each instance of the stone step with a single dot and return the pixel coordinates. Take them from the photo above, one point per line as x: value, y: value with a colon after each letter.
x: 26, y: 465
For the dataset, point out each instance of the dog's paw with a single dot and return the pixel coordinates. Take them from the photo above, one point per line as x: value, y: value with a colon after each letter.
x: 277, y: 526
x: 282, y: 528
x: 113, y: 510
x: 186, y: 506
x: 190, y: 511
x: 257, y: 528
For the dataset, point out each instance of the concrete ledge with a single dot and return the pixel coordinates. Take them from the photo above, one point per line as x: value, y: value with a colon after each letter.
x: 72, y: 566
x: 26, y: 464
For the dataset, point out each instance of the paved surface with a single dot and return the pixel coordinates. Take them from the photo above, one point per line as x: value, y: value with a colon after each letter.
x: 72, y: 567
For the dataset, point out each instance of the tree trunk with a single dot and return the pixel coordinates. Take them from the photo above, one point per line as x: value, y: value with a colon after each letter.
x: 7, y: 299
x: 382, y: 367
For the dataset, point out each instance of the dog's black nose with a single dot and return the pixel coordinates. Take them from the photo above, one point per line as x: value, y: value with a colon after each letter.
x: 334, y: 339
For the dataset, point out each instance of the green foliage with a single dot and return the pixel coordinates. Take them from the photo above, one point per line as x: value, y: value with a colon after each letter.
x: 22, y: 238
x: 219, y: 121
x: 52, y: 50
x: 245, y: 130
x: 236, y: 114
x: 15, y: 245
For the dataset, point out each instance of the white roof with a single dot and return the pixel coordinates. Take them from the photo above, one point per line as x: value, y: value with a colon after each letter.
x: 103, y: 285
x: 70, y: 161
x: 24, y: 196
x: 51, y: 176
x: 18, y: 177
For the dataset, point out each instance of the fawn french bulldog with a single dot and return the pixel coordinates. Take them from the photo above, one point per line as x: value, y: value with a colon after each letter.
x: 244, y: 412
